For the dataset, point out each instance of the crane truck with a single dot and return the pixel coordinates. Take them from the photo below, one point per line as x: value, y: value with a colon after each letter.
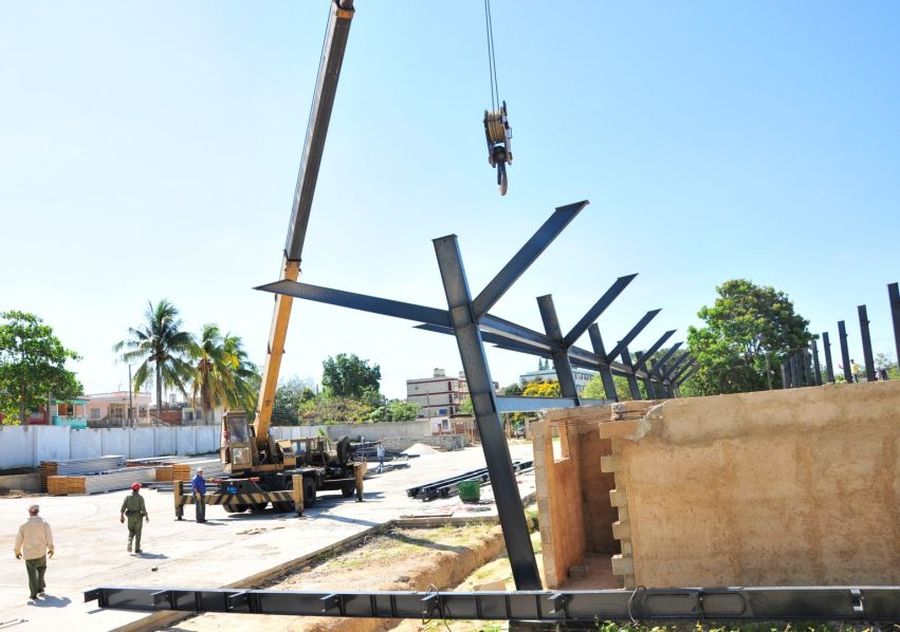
x: 258, y: 469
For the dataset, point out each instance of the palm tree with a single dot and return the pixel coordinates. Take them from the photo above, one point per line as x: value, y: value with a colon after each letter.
x: 223, y: 376
x: 161, y: 347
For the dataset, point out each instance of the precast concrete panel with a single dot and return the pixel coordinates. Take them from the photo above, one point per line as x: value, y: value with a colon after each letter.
x: 186, y: 438
x: 51, y: 443
x: 208, y: 439
x: 85, y: 444
x: 142, y: 442
x: 166, y: 440
x: 417, y: 429
x: 114, y: 441
x: 17, y: 447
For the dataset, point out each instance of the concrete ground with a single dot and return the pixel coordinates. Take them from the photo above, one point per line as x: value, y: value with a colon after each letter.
x: 90, y: 542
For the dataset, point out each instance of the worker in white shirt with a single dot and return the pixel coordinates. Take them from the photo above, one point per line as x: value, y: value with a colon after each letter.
x: 34, y: 542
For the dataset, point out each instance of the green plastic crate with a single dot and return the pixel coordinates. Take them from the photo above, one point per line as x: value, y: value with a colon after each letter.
x: 469, y: 491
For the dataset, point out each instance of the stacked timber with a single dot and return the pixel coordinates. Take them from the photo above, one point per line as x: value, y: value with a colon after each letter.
x: 77, y: 467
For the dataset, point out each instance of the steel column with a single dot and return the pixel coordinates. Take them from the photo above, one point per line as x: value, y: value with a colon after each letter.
x: 829, y: 367
x: 845, y: 354
x: 894, y: 297
x: 816, y: 367
x: 632, y: 380
x: 868, y: 357
x: 785, y: 375
x: 560, y: 355
x: 481, y: 388
x: 648, y: 385
x: 609, y: 385
x: 795, y: 370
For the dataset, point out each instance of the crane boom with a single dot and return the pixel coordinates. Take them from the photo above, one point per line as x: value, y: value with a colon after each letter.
x: 330, y: 64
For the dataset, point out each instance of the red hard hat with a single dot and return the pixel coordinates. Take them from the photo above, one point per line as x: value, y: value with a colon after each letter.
x: 135, y: 486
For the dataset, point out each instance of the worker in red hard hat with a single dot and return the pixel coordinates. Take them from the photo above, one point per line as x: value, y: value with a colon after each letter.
x: 133, y: 506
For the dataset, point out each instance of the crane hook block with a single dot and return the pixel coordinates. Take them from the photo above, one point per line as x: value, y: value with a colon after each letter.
x: 498, y: 134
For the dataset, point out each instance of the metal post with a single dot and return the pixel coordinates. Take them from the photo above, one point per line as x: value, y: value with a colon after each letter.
x: 894, y: 296
x: 795, y: 370
x: 816, y: 368
x: 632, y: 381
x: 845, y: 354
x: 493, y: 442
x: 648, y: 385
x: 609, y: 385
x: 130, y: 401
x: 560, y: 356
x: 866, y: 343
x: 829, y: 367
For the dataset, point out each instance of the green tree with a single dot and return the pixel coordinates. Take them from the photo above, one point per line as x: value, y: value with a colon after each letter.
x: 749, y: 331
x: 32, y: 365
x: 289, y: 396
x: 347, y: 376
x: 395, y: 410
x: 162, y: 349
x: 223, y: 374
x: 541, y: 388
x: 594, y: 388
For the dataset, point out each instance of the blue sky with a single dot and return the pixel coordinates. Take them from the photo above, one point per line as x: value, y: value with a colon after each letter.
x: 150, y: 151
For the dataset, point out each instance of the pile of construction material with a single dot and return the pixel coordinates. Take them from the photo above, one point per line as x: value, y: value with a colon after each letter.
x: 110, y: 473
x: 447, y: 487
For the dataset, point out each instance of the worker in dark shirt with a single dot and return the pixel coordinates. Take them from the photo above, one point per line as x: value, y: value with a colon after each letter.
x: 198, y: 487
x: 133, y: 506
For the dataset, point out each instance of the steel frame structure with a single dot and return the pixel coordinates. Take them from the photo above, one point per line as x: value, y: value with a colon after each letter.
x: 469, y: 320
x: 823, y: 603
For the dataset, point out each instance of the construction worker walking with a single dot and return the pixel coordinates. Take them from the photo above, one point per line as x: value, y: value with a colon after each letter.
x: 34, y: 542
x: 133, y: 506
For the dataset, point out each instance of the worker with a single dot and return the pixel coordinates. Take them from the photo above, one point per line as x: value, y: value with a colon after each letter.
x: 380, y: 452
x: 34, y: 542
x: 133, y: 506
x: 854, y: 370
x: 198, y: 487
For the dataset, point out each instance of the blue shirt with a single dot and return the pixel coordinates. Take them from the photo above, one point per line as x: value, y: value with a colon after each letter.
x: 198, y: 484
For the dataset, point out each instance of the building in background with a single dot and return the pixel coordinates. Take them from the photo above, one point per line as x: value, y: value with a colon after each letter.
x: 547, y: 372
x: 439, y: 397
x: 110, y: 410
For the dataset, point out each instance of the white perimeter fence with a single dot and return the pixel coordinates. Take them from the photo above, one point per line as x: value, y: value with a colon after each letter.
x: 27, y: 446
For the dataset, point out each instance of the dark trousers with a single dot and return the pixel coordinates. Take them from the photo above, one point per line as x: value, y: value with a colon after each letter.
x: 200, y: 506
x: 135, y: 525
x: 36, y: 569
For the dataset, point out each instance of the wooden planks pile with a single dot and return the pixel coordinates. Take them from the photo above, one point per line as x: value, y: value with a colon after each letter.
x: 98, y: 483
x: 78, y: 467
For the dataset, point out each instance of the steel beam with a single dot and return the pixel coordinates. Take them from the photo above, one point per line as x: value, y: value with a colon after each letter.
x: 785, y: 374
x: 868, y: 356
x: 631, y: 335
x: 481, y: 388
x: 684, y: 369
x: 660, y: 367
x: 819, y: 603
x: 687, y: 374
x: 632, y: 381
x: 894, y: 297
x: 527, y: 255
x: 816, y: 367
x: 795, y: 370
x: 670, y: 371
x: 845, y: 354
x: 648, y: 386
x: 362, y: 302
x: 564, y: 374
x: 511, y: 404
x: 829, y: 366
x: 598, y: 308
x: 656, y: 346
x: 609, y: 385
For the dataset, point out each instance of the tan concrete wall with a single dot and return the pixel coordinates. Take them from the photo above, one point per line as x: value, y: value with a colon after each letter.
x: 797, y: 487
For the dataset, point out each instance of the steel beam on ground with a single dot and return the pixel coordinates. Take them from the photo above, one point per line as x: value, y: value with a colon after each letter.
x: 598, y: 308
x: 894, y: 297
x: 845, y: 353
x: 868, y: 356
x: 609, y: 385
x: 561, y: 364
x: 526, y: 255
x: 826, y: 347
x: 632, y: 380
x: 481, y: 389
x: 819, y: 603
x: 816, y: 367
x: 631, y: 335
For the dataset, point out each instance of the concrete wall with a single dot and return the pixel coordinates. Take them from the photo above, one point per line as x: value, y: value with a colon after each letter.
x: 24, y: 482
x: 27, y: 446
x: 411, y: 430
x: 780, y: 488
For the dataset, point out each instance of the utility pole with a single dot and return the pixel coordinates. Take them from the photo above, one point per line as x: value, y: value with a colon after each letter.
x: 130, y: 402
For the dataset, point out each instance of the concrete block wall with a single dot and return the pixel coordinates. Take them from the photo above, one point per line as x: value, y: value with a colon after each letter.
x: 777, y: 488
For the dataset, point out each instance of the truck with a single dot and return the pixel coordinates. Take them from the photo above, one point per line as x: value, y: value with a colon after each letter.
x: 259, y: 469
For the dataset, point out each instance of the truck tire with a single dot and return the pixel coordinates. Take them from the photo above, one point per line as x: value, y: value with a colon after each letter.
x: 235, y: 507
x: 348, y: 489
x: 309, y: 492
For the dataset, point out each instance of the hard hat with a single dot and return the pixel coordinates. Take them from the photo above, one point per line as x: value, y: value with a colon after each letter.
x: 135, y: 486
x: 199, y: 469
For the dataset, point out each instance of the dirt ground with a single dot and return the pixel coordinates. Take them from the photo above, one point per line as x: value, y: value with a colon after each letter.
x: 451, y: 557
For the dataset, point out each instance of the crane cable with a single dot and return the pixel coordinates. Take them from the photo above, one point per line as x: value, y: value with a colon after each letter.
x: 494, y: 120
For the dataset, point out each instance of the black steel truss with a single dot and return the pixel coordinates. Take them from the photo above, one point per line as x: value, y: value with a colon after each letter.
x: 824, y: 603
